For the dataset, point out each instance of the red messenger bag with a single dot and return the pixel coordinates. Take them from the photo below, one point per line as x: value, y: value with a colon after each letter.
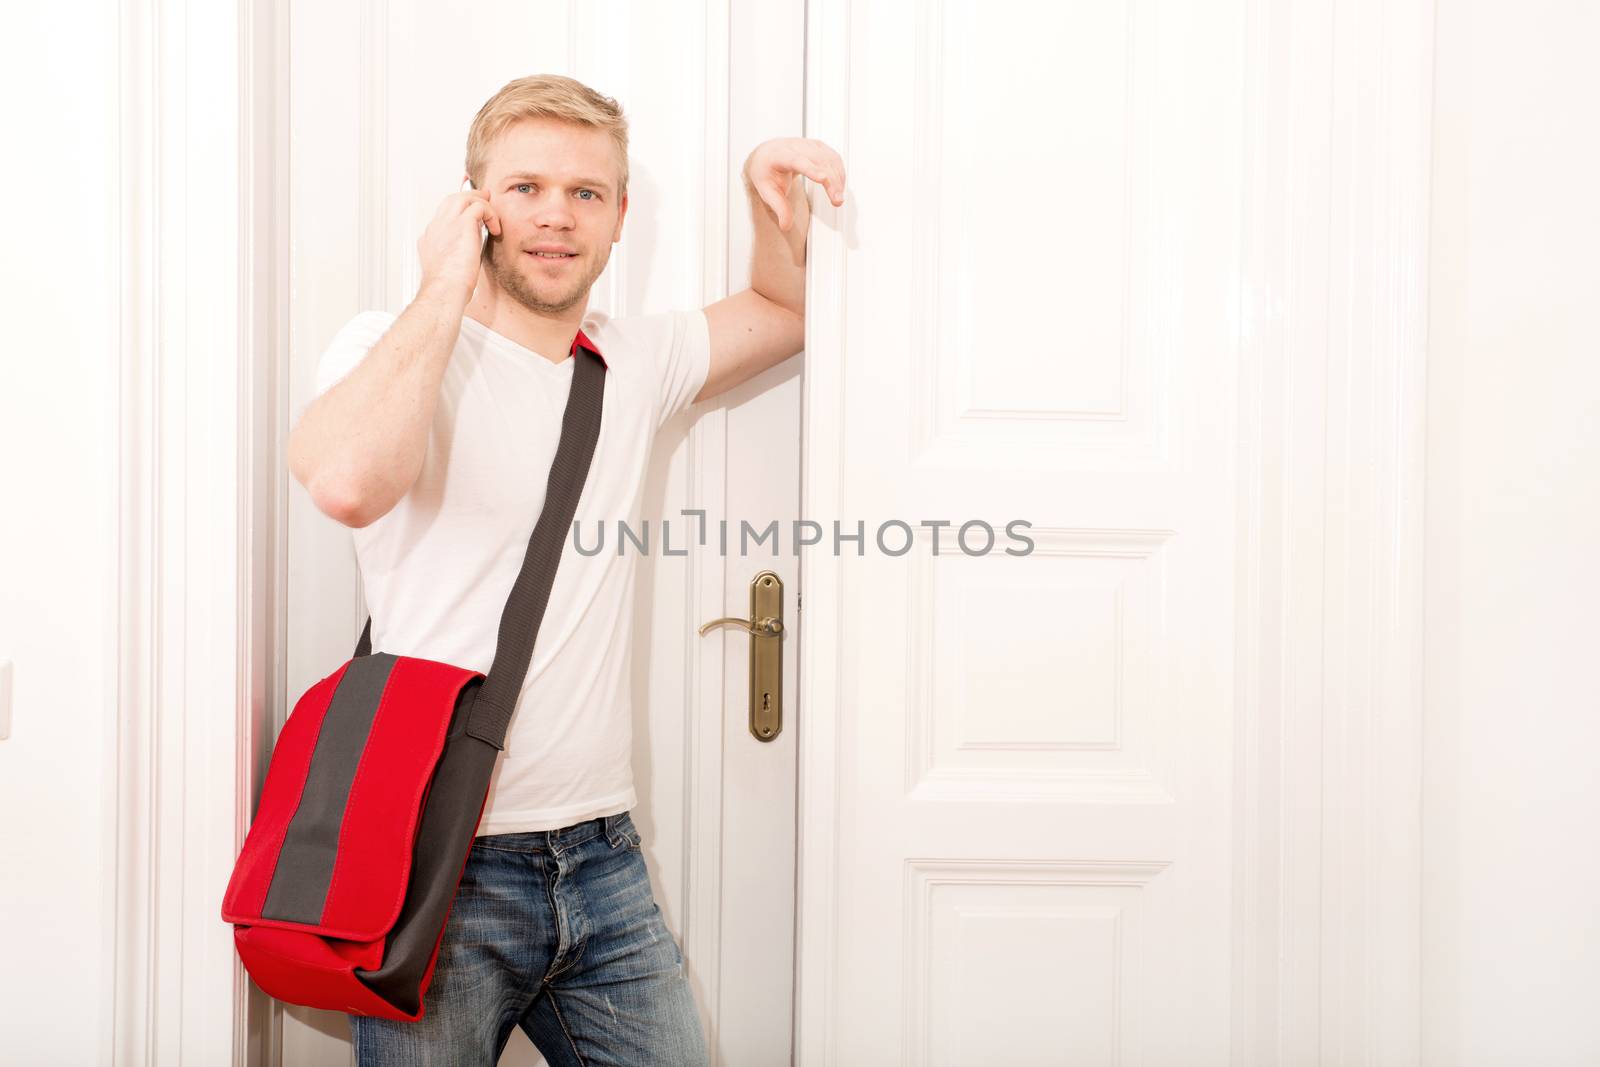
x: 378, y: 780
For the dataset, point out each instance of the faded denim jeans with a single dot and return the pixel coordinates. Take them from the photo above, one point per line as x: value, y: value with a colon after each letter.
x: 555, y: 931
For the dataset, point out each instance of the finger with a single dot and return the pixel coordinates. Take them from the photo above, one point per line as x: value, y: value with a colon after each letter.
x: 830, y: 180
x: 833, y: 180
x: 825, y: 176
x: 834, y: 164
x: 838, y: 170
x: 835, y: 186
x: 485, y: 215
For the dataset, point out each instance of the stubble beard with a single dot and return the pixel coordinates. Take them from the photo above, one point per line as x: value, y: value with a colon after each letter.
x: 515, y: 284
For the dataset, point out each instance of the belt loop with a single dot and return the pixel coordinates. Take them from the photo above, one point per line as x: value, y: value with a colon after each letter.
x: 611, y: 829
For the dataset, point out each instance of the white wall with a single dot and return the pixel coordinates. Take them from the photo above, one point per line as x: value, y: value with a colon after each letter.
x: 1512, y: 876
x: 58, y: 475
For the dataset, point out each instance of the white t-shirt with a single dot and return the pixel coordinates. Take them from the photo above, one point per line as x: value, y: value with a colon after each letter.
x: 439, y: 565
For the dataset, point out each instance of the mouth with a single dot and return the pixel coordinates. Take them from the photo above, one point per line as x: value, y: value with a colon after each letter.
x: 552, y: 257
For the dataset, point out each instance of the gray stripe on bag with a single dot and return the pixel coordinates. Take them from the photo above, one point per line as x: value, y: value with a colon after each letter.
x: 299, y: 888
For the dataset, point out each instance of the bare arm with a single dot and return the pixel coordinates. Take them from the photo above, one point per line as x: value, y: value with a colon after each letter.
x: 359, y: 447
x: 764, y: 325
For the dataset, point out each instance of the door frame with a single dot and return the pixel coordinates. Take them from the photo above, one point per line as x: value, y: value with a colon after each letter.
x: 1331, y: 409
x: 199, y: 258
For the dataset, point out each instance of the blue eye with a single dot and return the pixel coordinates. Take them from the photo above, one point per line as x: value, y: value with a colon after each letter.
x: 589, y: 191
x: 523, y: 186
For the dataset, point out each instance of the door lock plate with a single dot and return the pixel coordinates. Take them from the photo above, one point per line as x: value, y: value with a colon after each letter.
x: 766, y: 658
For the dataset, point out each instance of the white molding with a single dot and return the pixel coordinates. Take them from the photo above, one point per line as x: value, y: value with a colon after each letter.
x: 924, y: 878
x: 706, y: 487
x: 183, y: 549
x: 827, y: 80
x: 1329, y: 646
x: 131, y: 1027
x: 265, y: 412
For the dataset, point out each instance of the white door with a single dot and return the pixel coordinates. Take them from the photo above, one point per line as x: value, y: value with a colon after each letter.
x: 1015, y: 842
x: 380, y: 99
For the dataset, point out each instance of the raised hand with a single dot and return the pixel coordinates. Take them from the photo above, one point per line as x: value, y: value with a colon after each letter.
x: 773, y: 165
x: 451, y: 247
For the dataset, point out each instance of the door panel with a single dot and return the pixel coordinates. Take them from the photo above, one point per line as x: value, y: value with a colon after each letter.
x: 1023, y: 313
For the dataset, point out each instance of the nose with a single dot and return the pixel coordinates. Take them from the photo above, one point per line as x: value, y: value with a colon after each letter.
x: 553, y: 212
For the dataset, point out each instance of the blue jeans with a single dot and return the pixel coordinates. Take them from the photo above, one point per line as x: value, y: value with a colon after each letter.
x: 555, y: 931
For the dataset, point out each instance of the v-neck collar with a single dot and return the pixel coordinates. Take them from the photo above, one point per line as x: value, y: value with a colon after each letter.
x: 506, y: 343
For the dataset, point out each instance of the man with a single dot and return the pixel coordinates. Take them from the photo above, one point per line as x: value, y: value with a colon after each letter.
x: 431, y: 436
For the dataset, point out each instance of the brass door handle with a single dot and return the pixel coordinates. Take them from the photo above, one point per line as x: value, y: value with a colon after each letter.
x: 766, y: 656
x: 768, y: 627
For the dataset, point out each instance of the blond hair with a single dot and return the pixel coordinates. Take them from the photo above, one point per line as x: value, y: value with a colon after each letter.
x: 547, y: 96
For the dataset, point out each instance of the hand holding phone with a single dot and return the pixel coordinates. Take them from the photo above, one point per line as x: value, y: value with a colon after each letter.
x: 451, y: 248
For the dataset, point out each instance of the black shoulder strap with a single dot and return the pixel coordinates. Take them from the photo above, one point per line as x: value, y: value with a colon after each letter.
x: 530, y: 594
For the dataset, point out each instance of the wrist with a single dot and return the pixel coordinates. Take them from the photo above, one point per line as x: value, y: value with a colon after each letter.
x: 447, y: 294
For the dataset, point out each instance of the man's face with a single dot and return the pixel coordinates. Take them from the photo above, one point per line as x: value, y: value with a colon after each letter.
x: 553, y: 184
